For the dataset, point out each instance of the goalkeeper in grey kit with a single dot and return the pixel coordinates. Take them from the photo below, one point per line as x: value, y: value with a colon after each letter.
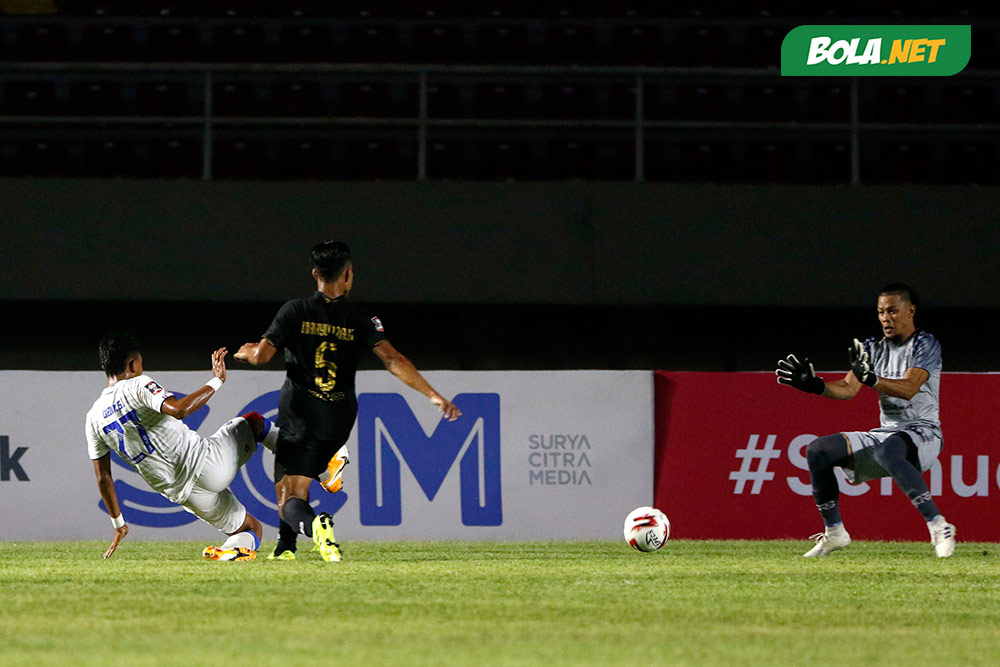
x: 904, y: 366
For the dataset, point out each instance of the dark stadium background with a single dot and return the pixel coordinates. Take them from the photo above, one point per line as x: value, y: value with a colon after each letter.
x: 484, y: 162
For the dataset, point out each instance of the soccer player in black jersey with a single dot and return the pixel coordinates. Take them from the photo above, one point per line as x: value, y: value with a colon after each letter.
x: 323, y: 335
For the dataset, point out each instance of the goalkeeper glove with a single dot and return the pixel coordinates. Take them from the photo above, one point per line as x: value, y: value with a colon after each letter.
x: 799, y: 374
x: 860, y: 365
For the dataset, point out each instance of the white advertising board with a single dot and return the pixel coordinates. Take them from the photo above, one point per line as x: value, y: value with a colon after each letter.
x: 536, y: 455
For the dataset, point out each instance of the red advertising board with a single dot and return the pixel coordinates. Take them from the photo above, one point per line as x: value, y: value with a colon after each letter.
x: 730, y: 459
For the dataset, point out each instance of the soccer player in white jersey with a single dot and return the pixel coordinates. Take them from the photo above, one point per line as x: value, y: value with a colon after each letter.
x: 141, y: 422
x: 904, y: 366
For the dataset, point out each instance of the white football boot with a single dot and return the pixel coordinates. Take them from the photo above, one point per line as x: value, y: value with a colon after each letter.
x: 942, y: 537
x: 833, y: 539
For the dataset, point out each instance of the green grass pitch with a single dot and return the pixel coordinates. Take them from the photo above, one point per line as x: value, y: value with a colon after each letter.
x: 446, y: 603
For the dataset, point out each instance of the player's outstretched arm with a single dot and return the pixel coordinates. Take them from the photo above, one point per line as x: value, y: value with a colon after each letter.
x: 256, y: 354
x: 404, y: 369
x: 106, y: 485
x: 802, y: 376
x: 179, y: 408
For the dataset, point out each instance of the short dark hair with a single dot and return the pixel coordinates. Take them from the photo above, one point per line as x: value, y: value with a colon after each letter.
x: 331, y: 258
x: 903, y: 290
x: 115, y: 350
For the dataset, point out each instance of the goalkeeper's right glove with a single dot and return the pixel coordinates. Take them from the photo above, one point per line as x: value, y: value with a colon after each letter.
x: 799, y: 374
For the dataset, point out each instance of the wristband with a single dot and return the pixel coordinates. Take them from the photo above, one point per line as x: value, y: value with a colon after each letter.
x: 118, y: 521
x: 214, y: 383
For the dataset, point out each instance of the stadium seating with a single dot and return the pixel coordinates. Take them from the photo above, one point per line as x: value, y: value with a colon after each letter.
x: 96, y: 98
x: 503, y: 44
x: 175, y: 158
x: 165, y: 98
x: 109, y: 158
x: 587, y: 130
x: 235, y: 98
x: 43, y: 158
x: 305, y: 159
x: 42, y: 42
x: 108, y: 43
x: 175, y: 43
x: 29, y: 98
x: 306, y: 44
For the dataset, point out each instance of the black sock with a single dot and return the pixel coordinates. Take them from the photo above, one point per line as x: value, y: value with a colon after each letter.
x: 286, y: 538
x: 892, y: 455
x: 298, y: 515
x: 823, y: 454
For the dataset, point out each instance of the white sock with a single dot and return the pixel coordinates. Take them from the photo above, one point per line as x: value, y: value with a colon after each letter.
x: 936, y: 522
x: 245, y: 539
x: 270, y: 440
x: 836, y: 530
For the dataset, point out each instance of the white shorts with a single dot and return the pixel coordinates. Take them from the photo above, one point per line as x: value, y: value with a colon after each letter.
x: 863, y: 443
x: 211, y: 500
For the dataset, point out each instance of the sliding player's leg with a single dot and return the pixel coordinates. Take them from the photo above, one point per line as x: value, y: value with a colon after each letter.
x: 223, y: 511
x: 823, y: 455
x: 332, y: 479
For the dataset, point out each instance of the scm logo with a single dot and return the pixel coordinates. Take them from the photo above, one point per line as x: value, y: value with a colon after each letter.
x: 876, y: 50
x: 389, y: 437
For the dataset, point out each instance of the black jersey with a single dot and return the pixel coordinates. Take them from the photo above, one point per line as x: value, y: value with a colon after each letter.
x: 322, y: 339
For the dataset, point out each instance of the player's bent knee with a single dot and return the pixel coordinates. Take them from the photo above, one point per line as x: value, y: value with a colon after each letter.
x: 826, y: 451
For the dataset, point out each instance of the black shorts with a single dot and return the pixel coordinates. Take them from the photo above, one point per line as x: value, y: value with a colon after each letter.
x: 308, y: 458
x: 311, y: 433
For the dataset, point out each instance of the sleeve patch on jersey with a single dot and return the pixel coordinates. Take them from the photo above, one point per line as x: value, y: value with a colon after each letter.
x: 378, y: 324
x: 154, y: 388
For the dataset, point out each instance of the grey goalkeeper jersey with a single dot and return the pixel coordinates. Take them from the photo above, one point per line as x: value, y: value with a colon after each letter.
x: 890, y: 360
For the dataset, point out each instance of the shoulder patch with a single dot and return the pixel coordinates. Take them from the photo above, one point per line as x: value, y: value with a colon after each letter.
x: 378, y: 324
x: 153, y: 388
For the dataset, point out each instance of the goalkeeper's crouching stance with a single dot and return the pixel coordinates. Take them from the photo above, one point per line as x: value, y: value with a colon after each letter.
x: 904, y: 366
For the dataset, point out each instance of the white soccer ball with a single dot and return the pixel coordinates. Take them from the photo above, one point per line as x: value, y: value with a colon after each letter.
x: 647, y: 528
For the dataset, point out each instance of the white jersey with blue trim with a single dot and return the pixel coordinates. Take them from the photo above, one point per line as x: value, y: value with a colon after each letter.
x: 127, y: 418
x: 891, y: 360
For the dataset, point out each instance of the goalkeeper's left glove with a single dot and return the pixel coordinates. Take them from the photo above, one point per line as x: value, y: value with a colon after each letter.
x: 860, y: 366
